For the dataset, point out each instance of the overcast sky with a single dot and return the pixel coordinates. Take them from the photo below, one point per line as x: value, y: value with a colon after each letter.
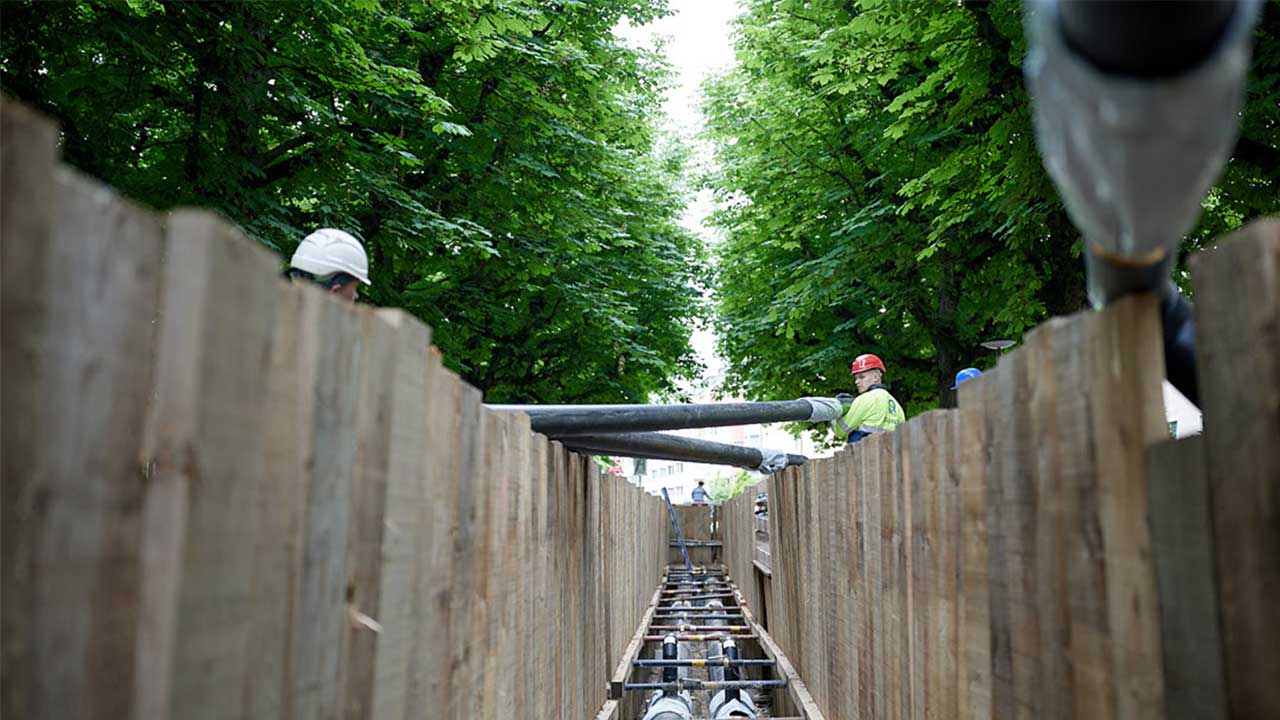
x: 698, y: 44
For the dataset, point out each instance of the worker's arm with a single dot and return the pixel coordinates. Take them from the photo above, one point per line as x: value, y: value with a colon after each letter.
x: 858, y: 413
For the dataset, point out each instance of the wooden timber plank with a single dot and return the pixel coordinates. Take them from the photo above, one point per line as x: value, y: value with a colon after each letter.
x: 490, y: 639
x: 466, y: 561
x: 502, y: 580
x: 319, y: 618
x: 835, y: 593
x: 563, y: 549
x: 949, y: 533
x: 277, y: 557
x: 371, y: 512
x: 895, y: 493
x: 81, y: 284
x: 1237, y: 287
x: 1127, y: 412
x: 796, y: 691
x: 204, y: 440
x: 867, y: 637
x: 630, y: 653
x: 851, y: 588
x: 28, y: 158
x: 1182, y: 543
x: 520, y: 614
x: 816, y: 554
x: 832, y: 564
x: 544, y: 610
x: 791, y: 506
x: 388, y: 534
x: 438, y: 458
x: 1060, y: 470
x: 808, y: 636
x: 933, y: 565
x: 1005, y: 490
x: 974, y: 661
x: 595, y: 664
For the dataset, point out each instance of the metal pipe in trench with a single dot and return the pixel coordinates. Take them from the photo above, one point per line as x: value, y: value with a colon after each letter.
x: 661, y: 446
x: 564, y: 420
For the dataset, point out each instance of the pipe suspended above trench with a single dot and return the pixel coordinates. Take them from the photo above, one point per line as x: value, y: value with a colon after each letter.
x: 561, y: 421
x: 661, y: 446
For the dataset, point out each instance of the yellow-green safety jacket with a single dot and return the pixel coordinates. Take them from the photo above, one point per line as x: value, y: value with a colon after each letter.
x: 873, y: 411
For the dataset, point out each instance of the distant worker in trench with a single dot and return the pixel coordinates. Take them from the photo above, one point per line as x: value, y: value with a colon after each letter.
x: 700, y: 496
x: 332, y: 259
x: 874, y: 410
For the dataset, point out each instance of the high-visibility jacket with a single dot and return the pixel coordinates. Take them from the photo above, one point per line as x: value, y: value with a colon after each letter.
x: 873, y: 411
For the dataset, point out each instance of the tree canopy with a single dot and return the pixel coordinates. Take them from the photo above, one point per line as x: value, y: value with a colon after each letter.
x: 501, y: 160
x: 879, y: 185
x: 881, y: 192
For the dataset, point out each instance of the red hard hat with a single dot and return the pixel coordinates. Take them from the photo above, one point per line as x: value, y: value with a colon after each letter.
x: 864, y: 363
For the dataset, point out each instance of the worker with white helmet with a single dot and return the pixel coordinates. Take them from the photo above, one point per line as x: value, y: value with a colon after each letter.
x: 874, y: 410
x: 332, y: 259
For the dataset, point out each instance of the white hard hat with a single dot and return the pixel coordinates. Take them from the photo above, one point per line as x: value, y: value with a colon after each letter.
x: 327, y: 251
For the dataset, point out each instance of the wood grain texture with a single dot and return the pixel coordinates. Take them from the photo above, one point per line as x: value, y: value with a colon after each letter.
x: 974, y: 695
x: 392, y: 514
x: 28, y: 156
x: 204, y: 439
x: 1182, y: 543
x: 77, y: 344
x: 1237, y: 285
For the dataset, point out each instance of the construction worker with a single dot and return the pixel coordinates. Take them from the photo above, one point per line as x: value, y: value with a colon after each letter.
x: 332, y: 259
x: 966, y: 374
x: 874, y: 410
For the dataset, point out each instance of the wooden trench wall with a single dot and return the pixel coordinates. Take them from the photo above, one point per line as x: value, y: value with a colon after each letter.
x: 225, y: 495
x: 1045, y: 550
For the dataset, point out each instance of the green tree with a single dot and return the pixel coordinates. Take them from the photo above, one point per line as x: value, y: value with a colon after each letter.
x: 500, y: 160
x: 723, y: 489
x: 881, y: 192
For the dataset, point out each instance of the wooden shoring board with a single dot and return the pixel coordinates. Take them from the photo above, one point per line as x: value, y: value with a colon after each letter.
x: 797, y: 692
x: 206, y: 524
x: 623, y: 669
x: 77, y: 352
x: 974, y: 671
x: 1237, y: 285
x: 1182, y: 543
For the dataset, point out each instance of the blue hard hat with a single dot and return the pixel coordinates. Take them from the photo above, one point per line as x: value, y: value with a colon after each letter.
x: 966, y: 374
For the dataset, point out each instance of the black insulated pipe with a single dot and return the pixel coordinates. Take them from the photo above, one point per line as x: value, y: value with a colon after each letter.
x: 1145, y: 39
x: 670, y: 673
x: 662, y: 446
x: 563, y: 420
x: 1179, y: 329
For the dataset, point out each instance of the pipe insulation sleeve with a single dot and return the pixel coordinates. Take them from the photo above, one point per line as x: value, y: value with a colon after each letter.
x: 824, y: 409
x: 1133, y: 157
x: 772, y: 461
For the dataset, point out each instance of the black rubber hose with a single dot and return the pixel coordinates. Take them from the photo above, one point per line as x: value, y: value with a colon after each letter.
x: 1177, y: 323
x: 1145, y: 39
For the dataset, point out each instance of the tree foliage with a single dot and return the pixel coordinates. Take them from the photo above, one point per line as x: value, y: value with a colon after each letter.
x: 499, y: 158
x: 881, y: 192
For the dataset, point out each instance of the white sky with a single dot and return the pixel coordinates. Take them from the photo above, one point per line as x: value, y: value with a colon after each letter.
x: 698, y: 44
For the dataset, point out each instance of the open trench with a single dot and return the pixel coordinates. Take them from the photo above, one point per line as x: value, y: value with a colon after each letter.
x: 700, y: 655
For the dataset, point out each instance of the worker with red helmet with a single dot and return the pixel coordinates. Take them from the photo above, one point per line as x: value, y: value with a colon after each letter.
x: 874, y: 410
